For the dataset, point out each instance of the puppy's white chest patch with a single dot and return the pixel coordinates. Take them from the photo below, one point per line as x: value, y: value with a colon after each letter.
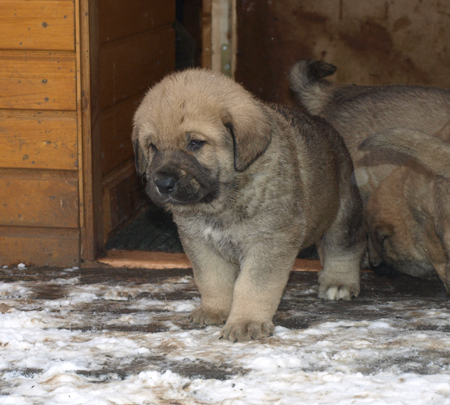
x: 219, y: 237
x: 222, y: 239
x: 210, y: 233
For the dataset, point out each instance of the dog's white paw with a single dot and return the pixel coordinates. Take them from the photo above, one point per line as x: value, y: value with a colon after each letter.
x: 336, y: 293
x: 338, y: 288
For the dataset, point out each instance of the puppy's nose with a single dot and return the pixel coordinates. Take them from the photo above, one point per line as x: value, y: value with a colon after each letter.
x: 165, y: 184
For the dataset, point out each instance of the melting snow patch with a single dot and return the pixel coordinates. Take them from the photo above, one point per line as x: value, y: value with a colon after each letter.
x: 103, y: 344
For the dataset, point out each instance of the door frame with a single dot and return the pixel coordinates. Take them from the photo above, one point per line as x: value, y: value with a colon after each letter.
x: 89, y: 147
x: 219, y: 29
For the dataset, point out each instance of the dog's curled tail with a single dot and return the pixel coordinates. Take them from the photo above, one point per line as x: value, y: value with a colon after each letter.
x: 430, y: 151
x: 305, y: 79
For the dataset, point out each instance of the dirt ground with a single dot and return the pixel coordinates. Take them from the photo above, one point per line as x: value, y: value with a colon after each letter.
x: 296, y: 311
x: 122, y: 336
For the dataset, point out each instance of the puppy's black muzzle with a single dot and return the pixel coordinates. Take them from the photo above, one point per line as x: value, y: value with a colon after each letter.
x: 166, y: 183
x: 175, y: 177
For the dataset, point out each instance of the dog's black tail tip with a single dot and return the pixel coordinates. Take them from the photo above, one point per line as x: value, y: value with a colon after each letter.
x: 312, y: 69
x: 318, y: 69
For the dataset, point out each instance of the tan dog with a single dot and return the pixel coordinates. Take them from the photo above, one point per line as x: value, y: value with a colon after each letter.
x: 248, y: 184
x: 409, y: 213
x: 358, y: 112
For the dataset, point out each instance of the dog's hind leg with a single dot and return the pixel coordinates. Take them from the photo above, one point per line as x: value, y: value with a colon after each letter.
x: 341, y: 250
x: 442, y: 229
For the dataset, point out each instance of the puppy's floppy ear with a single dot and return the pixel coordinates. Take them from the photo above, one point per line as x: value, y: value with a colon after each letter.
x: 251, y: 132
x: 139, y: 157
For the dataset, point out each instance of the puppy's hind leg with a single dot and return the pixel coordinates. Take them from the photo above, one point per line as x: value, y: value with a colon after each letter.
x: 341, y: 250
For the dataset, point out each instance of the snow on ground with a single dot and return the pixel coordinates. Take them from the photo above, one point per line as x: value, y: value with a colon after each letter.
x: 63, y: 341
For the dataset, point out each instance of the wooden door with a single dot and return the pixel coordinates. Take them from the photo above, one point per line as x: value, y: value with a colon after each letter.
x: 131, y: 46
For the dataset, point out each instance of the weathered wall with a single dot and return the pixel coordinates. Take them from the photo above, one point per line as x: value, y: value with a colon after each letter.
x: 371, y: 42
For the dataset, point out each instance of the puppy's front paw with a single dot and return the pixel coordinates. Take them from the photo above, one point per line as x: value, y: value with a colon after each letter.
x: 208, y: 316
x: 334, y: 288
x: 246, y: 330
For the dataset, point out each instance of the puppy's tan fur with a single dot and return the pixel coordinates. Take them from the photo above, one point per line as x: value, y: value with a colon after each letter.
x: 409, y: 213
x: 248, y: 184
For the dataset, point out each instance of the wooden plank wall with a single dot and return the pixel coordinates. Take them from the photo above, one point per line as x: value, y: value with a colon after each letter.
x: 136, y: 50
x: 375, y: 42
x: 39, y: 209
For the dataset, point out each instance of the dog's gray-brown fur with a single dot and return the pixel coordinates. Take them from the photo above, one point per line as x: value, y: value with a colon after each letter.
x: 248, y: 184
x: 420, y: 114
x: 409, y: 212
x: 358, y: 112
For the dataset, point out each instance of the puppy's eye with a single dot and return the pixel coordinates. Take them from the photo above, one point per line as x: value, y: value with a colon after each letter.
x: 152, y: 147
x: 195, y: 144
